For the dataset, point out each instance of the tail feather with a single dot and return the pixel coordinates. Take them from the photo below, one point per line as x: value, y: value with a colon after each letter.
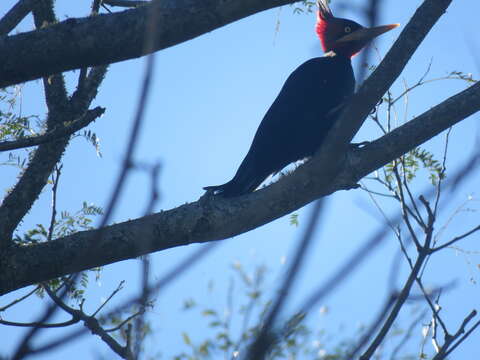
x: 245, y: 180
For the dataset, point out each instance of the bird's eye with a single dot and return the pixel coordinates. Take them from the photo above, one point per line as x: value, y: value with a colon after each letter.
x: 347, y: 29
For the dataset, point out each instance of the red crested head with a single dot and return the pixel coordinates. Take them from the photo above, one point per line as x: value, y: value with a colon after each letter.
x: 324, y: 17
x: 342, y: 36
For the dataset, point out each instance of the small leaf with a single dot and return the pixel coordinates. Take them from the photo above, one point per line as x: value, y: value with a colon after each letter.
x: 186, y: 338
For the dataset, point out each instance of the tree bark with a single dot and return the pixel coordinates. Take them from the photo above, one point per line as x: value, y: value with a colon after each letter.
x: 108, y: 38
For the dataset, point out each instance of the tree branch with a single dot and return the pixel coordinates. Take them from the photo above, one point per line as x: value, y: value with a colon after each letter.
x: 65, y: 130
x: 61, y: 108
x: 19, y: 201
x: 383, y: 77
x: 75, y: 43
x: 16, y: 14
x: 91, y: 323
x: 214, y: 218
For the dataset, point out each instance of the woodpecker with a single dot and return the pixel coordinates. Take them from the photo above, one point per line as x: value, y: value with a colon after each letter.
x: 296, y: 124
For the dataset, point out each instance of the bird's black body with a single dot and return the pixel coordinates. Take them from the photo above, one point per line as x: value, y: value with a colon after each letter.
x: 308, y: 105
x: 297, y: 122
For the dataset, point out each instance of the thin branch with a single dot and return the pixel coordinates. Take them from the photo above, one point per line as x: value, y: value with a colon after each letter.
x: 19, y: 201
x: 442, y: 173
x: 15, y: 15
x: 465, y: 336
x: 263, y: 341
x: 126, y: 321
x: 20, y: 299
x: 173, y: 274
x: 119, y: 287
x: 24, y: 347
x: 433, y: 308
x: 371, y: 192
x: 454, y: 240
x: 95, y: 9
x: 449, y: 339
x: 402, y: 297
x: 55, y: 179
x: 404, y: 206
x: 58, y: 132
x: 407, y: 335
x: 348, y: 267
x: 373, y: 327
x: 91, y: 323
x: 39, y: 325
x: 381, y: 79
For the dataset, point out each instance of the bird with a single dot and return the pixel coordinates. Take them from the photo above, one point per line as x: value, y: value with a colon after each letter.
x: 309, y: 103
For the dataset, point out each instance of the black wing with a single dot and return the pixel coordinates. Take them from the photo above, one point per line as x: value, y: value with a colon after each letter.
x: 296, y: 124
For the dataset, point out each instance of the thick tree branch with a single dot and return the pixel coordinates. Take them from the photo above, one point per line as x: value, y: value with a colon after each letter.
x: 213, y: 218
x: 99, y: 40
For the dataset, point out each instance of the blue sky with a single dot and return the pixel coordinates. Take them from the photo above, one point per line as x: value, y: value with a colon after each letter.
x: 208, y: 98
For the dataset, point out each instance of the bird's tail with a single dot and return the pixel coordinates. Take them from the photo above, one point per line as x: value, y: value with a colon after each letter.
x: 245, y: 181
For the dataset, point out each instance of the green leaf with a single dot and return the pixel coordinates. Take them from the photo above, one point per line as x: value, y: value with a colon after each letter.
x: 186, y: 338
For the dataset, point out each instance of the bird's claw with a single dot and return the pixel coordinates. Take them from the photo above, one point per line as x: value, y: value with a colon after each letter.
x: 356, y: 146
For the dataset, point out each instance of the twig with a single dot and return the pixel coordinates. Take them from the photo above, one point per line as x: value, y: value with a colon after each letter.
x: 344, y: 271
x: 404, y: 206
x: 442, y: 173
x: 402, y: 297
x: 435, y: 311
x: 55, y: 179
x: 407, y: 336
x: 466, y: 335
x: 449, y: 339
x: 57, y: 132
x: 143, y: 302
x: 373, y: 327
x: 23, y: 347
x: 125, y: 321
x: 263, y: 341
x: 119, y: 287
x: 16, y: 301
x: 454, y: 240
x: 91, y: 323
x: 173, y: 274
x: 423, y: 253
x: 40, y: 325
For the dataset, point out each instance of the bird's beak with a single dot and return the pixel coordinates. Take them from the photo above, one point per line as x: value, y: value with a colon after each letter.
x: 366, y: 34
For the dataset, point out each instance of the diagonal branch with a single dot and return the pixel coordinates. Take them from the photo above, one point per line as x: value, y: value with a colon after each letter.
x: 383, y: 77
x: 16, y: 14
x: 61, y: 109
x: 211, y: 219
